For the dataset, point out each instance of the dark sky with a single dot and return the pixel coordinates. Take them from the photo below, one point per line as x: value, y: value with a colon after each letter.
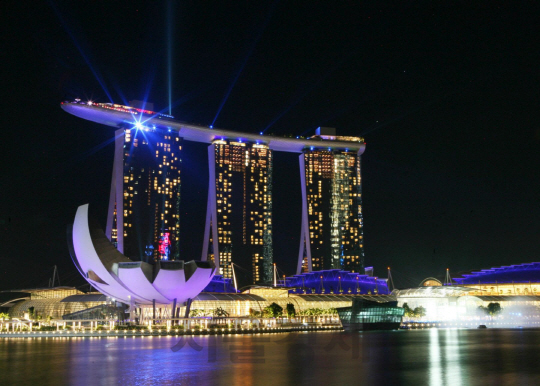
x: 447, y: 99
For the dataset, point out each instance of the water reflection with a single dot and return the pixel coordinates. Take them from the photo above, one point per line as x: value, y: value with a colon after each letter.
x: 434, y: 357
x: 435, y: 373
x: 445, y: 362
x: 452, y: 357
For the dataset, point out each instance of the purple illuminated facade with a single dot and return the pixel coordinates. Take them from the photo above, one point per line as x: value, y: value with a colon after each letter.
x: 520, y: 273
x: 221, y: 285
x: 128, y: 281
x: 335, y: 281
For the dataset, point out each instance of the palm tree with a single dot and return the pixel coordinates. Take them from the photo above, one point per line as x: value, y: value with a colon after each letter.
x: 220, y: 312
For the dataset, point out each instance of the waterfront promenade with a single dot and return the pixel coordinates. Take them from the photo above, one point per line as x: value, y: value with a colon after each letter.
x: 167, y: 327
x: 83, y: 333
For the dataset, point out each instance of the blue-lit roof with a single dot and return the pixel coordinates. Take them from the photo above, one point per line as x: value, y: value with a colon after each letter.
x: 220, y: 284
x: 336, y: 281
x: 520, y: 273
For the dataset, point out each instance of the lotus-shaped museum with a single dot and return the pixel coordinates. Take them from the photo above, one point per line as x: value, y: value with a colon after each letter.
x: 128, y: 281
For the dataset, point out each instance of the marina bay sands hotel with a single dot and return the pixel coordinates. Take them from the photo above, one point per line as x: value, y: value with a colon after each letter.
x: 144, y: 207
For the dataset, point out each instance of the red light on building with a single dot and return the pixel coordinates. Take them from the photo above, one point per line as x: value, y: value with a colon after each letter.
x: 164, y: 244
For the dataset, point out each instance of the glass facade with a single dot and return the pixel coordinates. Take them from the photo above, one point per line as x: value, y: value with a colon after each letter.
x: 45, y: 308
x: 101, y: 311
x: 365, y: 312
x: 334, y: 205
x: 149, y: 195
x: 243, y: 173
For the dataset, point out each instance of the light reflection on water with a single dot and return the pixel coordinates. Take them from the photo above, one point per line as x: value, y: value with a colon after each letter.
x: 453, y: 367
x: 426, y: 357
x: 445, y: 367
x: 435, y: 371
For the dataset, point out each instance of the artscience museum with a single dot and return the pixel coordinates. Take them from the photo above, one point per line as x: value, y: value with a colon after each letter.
x: 132, y: 282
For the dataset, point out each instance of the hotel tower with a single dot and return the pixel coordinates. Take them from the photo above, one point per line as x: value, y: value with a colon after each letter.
x: 144, y: 206
x: 240, y: 207
x: 332, y: 228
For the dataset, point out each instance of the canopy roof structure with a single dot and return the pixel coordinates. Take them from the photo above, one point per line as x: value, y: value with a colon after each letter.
x: 433, y: 292
x: 522, y: 298
x: 126, y: 117
x: 96, y: 297
x: 203, y: 296
x: 519, y: 273
x: 340, y: 298
x: 336, y: 281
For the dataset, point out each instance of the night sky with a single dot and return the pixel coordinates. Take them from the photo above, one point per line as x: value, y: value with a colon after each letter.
x: 447, y: 99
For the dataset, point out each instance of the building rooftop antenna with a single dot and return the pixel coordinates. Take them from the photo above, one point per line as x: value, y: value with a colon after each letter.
x: 390, y: 281
x: 234, y: 277
x: 448, y: 278
x: 55, y: 278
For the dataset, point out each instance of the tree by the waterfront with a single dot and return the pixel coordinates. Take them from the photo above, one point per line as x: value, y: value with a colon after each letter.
x: 494, y: 308
x: 274, y: 310
x: 408, y: 311
x: 291, y: 312
x: 419, y: 312
x: 220, y: 312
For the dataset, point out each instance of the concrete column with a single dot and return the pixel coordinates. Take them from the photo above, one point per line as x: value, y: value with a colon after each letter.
x: 211, y: 210
x: 117, y: 191
x: 188, y: 307
x: 131, y: 309
x: 304, y: 233
x: 207, y: 226
x: 173, y: 309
